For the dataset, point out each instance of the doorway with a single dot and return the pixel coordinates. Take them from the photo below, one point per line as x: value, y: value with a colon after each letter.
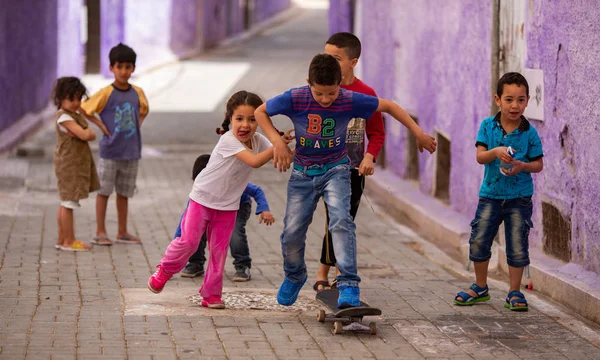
x: 92, y: 45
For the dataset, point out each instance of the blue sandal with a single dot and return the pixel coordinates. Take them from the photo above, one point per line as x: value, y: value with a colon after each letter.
x: 520, y: 299
x: 468, y: 300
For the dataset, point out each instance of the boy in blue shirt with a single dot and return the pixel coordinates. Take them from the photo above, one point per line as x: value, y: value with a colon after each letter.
x: 505, y: 194
x: 239, y: 242
x: 321, y: 112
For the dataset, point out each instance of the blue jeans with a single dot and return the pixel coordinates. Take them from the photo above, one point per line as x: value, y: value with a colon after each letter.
x: 238, y: 244
x: 303, y: 194
x: 516, y: 215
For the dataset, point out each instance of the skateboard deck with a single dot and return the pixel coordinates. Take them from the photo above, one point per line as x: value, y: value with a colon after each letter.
x: 349, y: 319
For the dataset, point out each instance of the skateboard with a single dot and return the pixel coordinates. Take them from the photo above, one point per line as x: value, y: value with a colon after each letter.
x: 349, y: 319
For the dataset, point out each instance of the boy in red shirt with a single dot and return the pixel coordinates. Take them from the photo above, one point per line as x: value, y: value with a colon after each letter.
x: 345, y: 48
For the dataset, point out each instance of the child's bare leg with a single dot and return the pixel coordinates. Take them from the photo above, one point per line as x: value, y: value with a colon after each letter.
x: 61, y: 236
x: 515, y: 274
x: 101, y: 204
x: 481, y: 274
x: 323, y: 275
x: 66, y: 220
x: 122, y: 208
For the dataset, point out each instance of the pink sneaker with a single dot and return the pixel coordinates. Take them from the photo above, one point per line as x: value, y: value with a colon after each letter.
x: 157, y: 282
x: 213, y: 303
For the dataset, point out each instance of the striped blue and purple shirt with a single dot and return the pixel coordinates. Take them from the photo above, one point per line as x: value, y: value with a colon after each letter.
x: 321, y: 132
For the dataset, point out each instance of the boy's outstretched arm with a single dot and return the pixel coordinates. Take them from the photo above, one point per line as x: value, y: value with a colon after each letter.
x: 424, y: 140
x: 262, y: 206
x: 282, y: 155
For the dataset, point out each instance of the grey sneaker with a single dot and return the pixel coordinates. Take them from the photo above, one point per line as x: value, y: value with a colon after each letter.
x: 192, y: 270
x: 242, y: 275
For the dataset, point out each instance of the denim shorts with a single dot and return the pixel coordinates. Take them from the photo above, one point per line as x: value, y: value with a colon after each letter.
x: 516, y: 215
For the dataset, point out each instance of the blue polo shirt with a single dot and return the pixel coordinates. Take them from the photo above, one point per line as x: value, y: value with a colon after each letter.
x: 528, y: 147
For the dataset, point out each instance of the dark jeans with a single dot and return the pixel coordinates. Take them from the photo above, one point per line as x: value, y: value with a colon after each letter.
x: 516, y: 215
x: 238, y: 244
x: 357, y: 184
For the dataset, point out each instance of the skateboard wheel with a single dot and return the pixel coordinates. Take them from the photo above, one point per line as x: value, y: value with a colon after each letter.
x: 338, y: 328
x: 373, y: 327
x: 321, y: 316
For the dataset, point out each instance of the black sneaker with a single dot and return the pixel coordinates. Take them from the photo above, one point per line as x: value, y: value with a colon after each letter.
x: 192, y: 270
x: 242, y: 275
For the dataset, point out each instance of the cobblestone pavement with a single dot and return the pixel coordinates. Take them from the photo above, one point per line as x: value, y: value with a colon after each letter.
x: 60, y: 305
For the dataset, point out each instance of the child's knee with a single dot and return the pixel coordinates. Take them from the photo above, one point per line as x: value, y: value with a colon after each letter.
x: 480, y: 242
x: 343, y: 225
x: 517, y: 245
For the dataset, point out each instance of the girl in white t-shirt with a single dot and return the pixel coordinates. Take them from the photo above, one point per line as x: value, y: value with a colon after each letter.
x: 73, y: 162
x: 215, y: 198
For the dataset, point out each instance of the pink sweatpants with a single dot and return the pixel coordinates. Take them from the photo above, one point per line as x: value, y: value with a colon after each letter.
x: 218, y: 225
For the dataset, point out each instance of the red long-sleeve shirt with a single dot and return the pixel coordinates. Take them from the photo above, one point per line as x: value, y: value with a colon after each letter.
x: 374, y: 126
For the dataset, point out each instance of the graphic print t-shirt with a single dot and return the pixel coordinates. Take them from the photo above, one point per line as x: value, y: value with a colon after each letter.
x: 321, y: 132
x: 120, y: 111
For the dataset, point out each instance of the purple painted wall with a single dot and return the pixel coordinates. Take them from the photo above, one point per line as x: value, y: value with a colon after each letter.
x: 265, y: 9
x: 339, y: 16
x: 112, y: 29
x: 223, y: 19
x: 158, y: 30
x: 214, y: 22
x: 185, y: 27
x: 434, y: 59
x: 69, y: 48
x: 28, y: 44
x: 161, y: 31
x: 562, y: 38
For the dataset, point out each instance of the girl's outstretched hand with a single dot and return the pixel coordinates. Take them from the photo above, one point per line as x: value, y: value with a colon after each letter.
x: 288, y: 137
x: 266, y: 217
x: 426, y: 142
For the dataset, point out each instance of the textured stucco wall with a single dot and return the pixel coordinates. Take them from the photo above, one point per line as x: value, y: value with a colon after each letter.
x: 340, y: 16
x: 69, y: 48
x: 158, y: 30
x: 161, y: 31
x: 28, y: 60
x: 267, y: 8
x: 434, y: 58
x: 112, y: 29
x: 562, y: 40
x: 223, y: 19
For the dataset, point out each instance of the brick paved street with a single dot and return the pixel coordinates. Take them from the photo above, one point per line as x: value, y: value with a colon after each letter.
x: 60, y: 305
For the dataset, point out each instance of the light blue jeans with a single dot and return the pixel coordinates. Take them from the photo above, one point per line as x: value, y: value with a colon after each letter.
x: 304, y: 193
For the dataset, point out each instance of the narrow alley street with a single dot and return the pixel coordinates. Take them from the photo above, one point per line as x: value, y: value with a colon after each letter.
x: 61, y: 305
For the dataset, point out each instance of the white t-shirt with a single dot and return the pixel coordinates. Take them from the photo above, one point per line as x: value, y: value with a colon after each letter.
x: 63, y: 118
x: 221, y: 184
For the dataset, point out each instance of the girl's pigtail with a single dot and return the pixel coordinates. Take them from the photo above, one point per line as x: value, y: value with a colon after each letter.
x: 220, y: 131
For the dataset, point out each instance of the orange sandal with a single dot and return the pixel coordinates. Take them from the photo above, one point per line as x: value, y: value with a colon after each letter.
x: 77, y: 246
